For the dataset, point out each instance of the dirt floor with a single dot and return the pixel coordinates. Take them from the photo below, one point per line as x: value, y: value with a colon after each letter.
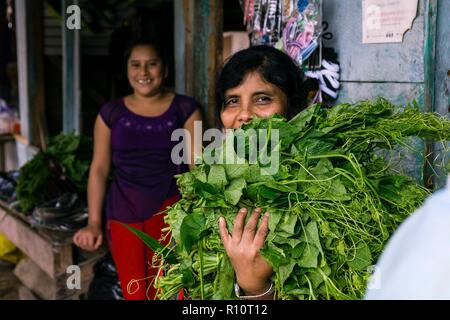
x: 9, y: 284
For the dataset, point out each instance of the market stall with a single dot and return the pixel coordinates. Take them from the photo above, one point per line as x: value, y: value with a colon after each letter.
x: 348, y: 63
x: 45, y: 271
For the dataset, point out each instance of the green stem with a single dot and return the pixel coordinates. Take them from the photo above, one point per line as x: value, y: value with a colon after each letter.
x: 200, y: 254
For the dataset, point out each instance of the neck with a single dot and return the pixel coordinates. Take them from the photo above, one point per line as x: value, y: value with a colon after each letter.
x: 149, y: 99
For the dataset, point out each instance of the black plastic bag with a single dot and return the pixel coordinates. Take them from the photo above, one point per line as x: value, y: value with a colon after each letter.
x: 66, y: 213
x: 8, y: 183
x: 105, y: 285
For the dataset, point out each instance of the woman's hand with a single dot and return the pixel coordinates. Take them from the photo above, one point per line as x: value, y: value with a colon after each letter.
x: 89, y: 238
x: 252, y: 271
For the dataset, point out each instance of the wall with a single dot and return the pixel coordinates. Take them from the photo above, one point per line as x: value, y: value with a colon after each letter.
x: 368, y: 70
x: 395, y: 71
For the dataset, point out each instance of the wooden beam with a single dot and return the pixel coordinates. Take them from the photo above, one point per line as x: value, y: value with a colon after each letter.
x: 198, y: 50
x: 429, y: 82
x: 71, y: 73
x: 207, y: 45
x: 30, y: 64
x: 182, y: 37
x: 53, y: 259
x: 31, y: 275
x: 442, y: 88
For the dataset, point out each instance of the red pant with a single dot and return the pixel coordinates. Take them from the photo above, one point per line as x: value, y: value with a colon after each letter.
x: 133, y: 258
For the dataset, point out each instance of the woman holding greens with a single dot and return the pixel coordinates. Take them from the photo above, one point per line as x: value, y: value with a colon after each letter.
x: 256, y: 82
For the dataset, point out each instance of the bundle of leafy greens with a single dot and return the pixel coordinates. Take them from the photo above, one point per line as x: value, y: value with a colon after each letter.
x: 333, y: 203
x: 63, y: 167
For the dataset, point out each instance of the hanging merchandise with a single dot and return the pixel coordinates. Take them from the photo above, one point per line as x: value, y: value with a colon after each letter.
x: 302, y: 31
x: 322, y: 72
x: 292, y: 26
x: 296, y: 27
x: 327, y: 77
x: 263, y: 19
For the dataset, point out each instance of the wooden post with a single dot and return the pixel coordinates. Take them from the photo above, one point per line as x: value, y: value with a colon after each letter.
x: 198, y: 50
x: 442, y: 88
x: 30, y: 64
x: 183, y: 13
x: 71, y: 73
x: 429, y: 82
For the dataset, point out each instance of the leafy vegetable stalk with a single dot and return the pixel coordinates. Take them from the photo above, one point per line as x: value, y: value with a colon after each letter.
x: 334, y: 202
x: 63, y: 167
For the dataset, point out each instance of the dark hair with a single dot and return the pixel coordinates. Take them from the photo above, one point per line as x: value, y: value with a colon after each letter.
x: 160, y: 49
x: 273, y: 65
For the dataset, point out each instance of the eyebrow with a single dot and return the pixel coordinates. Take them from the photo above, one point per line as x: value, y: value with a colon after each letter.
x: 263, y: 92
x: 149, y: 60
x: 268, y: 93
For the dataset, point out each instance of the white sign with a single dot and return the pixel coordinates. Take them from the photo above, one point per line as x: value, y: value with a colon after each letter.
x: 387, y: 20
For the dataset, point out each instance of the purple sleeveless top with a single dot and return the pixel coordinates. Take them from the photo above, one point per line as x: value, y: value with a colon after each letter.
x: 141, y: 149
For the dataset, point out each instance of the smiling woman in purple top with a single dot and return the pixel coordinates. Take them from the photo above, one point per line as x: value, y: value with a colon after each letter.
x: 134, y: 134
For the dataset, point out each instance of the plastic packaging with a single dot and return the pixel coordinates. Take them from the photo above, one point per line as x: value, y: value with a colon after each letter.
x: 105, y: 285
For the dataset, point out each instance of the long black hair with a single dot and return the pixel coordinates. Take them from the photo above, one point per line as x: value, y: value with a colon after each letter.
x: 273, y: 65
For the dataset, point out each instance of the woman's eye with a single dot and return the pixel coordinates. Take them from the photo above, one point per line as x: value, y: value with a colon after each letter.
x: 263, y: 99
x: 231, y: 102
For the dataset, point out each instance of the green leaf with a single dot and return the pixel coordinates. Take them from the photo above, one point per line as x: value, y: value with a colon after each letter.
x: 176, y: 225
x: 281, y: 187
x: 297, y: 251
x: 360, y: 258
x: 225, y: 280
x: 188, y: 276
x: 311, y: 235
x: 301, y: 120
x: 293, y: 242
x: 205, y: 189
x: 253, y: 174
x: 267, y: 193
x: 317, y: 146
x: 256, y: 192
x: 334, y: 190
x: 309, y: 258
x: 151, y: 242
x: 234, y: 190
x: 274, y: 255
x: 274, y: 218
x: 217, y: 177
x: 235, y: 171
x: 200, y: 174
x: 284, y: 271
x: 315, y: 277
x: 324, y: 168
x: 341, y: 248
x: 192, y: 230
x: 287, y: 223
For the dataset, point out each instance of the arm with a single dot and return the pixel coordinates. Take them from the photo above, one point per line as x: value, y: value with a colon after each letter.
x: 90, y: 238
x: 252, y: 271
x: 195, y: 147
